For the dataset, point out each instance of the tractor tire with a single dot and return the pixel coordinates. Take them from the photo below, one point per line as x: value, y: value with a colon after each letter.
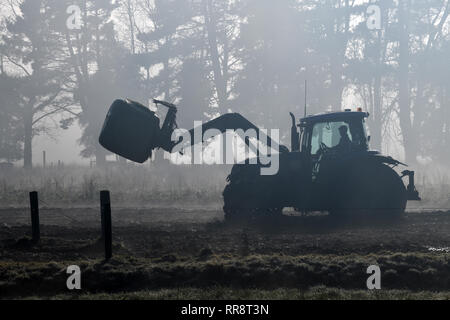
x: 244, y: 202
x: 373, y: 189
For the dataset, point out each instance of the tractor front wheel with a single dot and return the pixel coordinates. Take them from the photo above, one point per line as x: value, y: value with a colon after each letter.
x: 244, y: 202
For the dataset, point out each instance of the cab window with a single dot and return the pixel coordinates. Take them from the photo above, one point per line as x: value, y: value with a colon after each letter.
x: 327, y: 133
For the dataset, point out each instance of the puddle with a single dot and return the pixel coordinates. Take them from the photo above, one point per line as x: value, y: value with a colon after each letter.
x: 444, y: 249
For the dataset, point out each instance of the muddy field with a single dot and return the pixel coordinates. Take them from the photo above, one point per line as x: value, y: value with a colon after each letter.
x: 172, y: 253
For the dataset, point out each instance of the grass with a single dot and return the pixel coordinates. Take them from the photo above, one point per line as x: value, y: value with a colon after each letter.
x: 404, y: 275
x: 226, y: 293
x: 163, y: 183
x: 130, y: 184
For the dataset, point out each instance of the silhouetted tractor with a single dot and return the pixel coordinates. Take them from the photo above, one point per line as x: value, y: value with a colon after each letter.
x: 329, y: 167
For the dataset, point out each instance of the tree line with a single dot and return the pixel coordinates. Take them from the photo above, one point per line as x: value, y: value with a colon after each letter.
x: 63, y: 62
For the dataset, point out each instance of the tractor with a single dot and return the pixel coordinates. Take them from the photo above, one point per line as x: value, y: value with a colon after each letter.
x: 329, y: 166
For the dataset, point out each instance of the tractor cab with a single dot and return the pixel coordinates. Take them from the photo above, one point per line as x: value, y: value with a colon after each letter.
x: 330, y: 136
x: 335, y: 132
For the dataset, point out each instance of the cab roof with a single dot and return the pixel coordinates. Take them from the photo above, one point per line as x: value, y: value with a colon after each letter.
x: 334, y: 116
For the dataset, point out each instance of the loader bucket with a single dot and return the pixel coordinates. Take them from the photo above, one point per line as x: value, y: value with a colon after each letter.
x: 130, y: 130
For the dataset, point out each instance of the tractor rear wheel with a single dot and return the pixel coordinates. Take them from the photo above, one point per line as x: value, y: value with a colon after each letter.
x: 370, y: 189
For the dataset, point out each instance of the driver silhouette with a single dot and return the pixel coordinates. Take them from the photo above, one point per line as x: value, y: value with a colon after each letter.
x: 345, y: 143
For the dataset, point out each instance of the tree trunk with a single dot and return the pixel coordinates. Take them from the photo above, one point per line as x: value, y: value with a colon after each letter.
x: 338, y: 90
x: 377, y: 108
x: 100, y: 155
x: 131, y: 22
x: 445, y: 104
x: 28, y: 136
x: 409, y: 142
x: 377, y: 104
x: 219, y: 80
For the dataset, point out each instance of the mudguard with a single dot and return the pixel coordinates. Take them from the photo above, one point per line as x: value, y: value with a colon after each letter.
x: 386, y: 159
x: 412, y: 193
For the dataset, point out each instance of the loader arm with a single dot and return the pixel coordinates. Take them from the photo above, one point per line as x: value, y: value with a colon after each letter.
x: 230, y: 121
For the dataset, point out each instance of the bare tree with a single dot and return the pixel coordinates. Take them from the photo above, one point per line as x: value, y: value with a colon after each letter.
x: 31, y: 51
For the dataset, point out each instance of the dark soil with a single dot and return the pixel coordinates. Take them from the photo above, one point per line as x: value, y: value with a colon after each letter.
x: 161, y: 248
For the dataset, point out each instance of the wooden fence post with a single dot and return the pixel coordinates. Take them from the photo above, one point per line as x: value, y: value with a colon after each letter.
x: 34, y: 205
x: 105, y: 205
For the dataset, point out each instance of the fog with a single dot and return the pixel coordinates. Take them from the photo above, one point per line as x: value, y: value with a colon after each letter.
x: 64, y: 147
x: 62, y: 64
